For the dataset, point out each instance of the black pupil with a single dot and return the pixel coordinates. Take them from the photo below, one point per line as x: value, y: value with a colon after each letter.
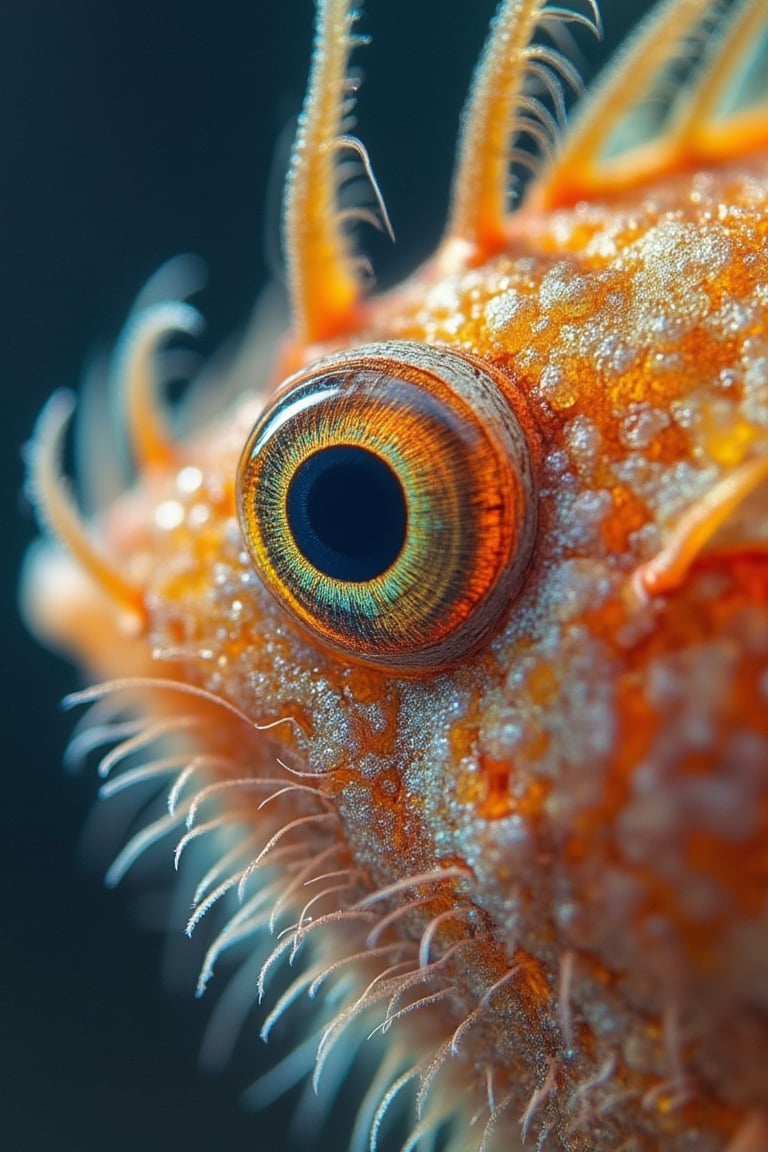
x: 346, y: 510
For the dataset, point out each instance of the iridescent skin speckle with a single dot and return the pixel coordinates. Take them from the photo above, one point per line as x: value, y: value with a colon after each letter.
x: 593, y: 782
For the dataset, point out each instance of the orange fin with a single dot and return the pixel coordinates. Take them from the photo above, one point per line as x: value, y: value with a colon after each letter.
x: 324, y: 274
x: 57, y: 511
x: 149, y: 435
x: 599, y: 154
x: 499, y: 109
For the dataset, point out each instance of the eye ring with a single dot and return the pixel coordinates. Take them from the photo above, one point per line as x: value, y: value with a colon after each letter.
x: 387, y: 498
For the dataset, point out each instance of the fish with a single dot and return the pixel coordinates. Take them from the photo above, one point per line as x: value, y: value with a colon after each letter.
x: 434, y: 650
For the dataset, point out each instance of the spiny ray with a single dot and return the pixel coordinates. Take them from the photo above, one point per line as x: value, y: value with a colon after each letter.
x: 58, y: 512
x: 323, y: 282
x: 582, y: 170
x: 696, y: 128
x: 497, y: 108
x: 656, y: 42
x: 149, y: 436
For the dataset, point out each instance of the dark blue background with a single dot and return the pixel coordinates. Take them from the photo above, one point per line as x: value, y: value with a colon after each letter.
x: 130, y: 131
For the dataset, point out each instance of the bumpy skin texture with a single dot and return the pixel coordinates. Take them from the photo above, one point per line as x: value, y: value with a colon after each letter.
x: 600, y: 771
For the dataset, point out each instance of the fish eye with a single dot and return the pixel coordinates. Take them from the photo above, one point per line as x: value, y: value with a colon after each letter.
x: 387, y: 499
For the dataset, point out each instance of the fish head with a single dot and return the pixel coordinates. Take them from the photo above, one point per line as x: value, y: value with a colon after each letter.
x: 482, y: 578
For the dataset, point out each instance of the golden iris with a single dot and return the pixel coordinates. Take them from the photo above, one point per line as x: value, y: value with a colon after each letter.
x: 387, y: 499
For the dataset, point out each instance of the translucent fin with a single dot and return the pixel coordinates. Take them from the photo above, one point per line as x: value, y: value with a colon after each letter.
x: 604, y: 151
x: 701, y: 127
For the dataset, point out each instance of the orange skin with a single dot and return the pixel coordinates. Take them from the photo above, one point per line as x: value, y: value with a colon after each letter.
x: 593, y: 781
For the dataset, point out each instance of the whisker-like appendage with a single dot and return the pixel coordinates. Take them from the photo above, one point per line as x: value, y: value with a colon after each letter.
x: 292, y: 789
x: 555, y: 14
x: 298, y: 935
x: 479, y: 192
x: 316, y: 818
x: 365, y: 954
x: 390, y: 1068
x: 386, y: 1102
x: 492, y: 1122
x: 195, y: 833
x: 90, y: 735
x: 538, y: 1097
x: 289, y: 997
x: 235, y: 879
x: 552, y: 69
x: 479, y: 197
x: 247, y: 920
x: 381, y: 220
x: 203, y: 907
x: 428, y: 1128
x: 580, y: 1103
x: 343, y: 915
x: 414, y: 979
x: 397, y: 914
x: 423, y: 1002
x: 158, y: 730
x: 139, y: 844
x: 153, y: 770
x: 238, y: 784
x: 382, y: 986
x: 146, y: 423
x: 222, y: 865
x: 306, y: 775
x: 323, y: 286
x: 432, y: 928
x: 697, y: 528
x: 300, y: 878
x: 565, y: 986
x: 136, y: 685
x: 481, y: 1008
x: 59, y: 515
x: 417, y: 880
x: 430, y: 1073
x: 183, y: 778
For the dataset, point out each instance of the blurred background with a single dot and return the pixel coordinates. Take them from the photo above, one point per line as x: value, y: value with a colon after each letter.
x: 130, y: 132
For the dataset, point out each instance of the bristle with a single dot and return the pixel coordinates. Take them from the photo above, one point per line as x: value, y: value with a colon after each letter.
x: 324, y: 287
x: 386, y: 1102
x: 150, y: 835
x: 498, y: 109
x: 149, y: 734
x: 294, y: 883
x: 59, y: 515
x: 583, y: 166
x: 147, y: 426
x: 153, y: 770
x: 480, y: 1009
x: 697, y: 129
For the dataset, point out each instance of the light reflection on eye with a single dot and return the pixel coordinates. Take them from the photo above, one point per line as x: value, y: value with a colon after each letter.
x: 387, y: 499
